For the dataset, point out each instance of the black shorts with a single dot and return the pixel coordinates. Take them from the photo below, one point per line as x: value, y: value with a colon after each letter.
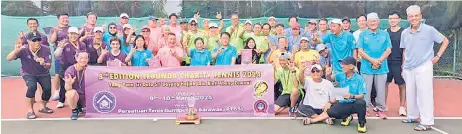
x: 284, y: 100
x: 395, y: 71
x: 308, y: 111
x: 31, y: 83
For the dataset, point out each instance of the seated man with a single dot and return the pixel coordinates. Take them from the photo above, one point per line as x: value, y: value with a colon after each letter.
x: 354, y: 100
x: 287, y: 74
x: 75, y: 84
x: 318, y: 91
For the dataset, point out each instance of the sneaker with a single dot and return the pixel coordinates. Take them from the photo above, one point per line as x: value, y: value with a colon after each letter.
x: 81, y: 112
x: 292, y: 112
x: 347, y: 121
x: 402, y: 111
x: 55, y: 96
x: 60, y: 105
x: 75, y: 115
x: 362, y: 127
x: 382, y: 115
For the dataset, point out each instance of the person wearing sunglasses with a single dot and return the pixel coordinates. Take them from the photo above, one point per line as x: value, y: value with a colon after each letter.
x: 111, y: 33
x: 190, y: 37
x: 35, y: 65
x: 318, y: 95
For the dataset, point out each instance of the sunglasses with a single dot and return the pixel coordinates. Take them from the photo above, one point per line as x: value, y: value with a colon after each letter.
x: 112, y: 27
x: 315, y: 71
x: 36, y: 40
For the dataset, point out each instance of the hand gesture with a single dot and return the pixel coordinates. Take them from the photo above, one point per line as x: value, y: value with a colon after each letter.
x: 69, y: 79
x: 18, y: 46
x: 172, y: 52
x: 295, y: 49
x: 132, y: 30
x: 21, y: 35
x: 104, y: 51
x: 219, y: 51
x: 273, y: 47
x: 218, y: 16
x: 328, y: 70
x: 62, y: 43
x: 41, y: 61
x: 197, y: 15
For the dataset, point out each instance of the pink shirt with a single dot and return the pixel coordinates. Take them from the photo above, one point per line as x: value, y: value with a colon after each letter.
x: 162, y: 42
x: 155, y: 33
x: 166, y: 57
x: 176, y: 30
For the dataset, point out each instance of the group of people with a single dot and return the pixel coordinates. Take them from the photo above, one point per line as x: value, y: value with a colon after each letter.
x: 308, y: 63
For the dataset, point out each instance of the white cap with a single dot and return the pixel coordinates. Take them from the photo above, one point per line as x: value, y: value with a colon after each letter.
x: 98, y: 29
x: 304, y: 38
x: 372, y: 16
x: 336, y: 21
x: 413, y: 9
x: 213, y: 25
x: 192, y: 20
x: 248, y: 21
x: 272, y: 17
x: 126, y: 26
x: 206, y: 20
x: 73, y: 30
x: 124, y: 15
x: 317, y: 66
x: 320, y: 47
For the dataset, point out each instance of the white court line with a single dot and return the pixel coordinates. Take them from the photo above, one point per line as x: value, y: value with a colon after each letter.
x: 438, y: 130
x: 208, y: 118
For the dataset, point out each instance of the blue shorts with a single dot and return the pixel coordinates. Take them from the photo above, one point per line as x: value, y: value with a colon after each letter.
x: 57, y: 66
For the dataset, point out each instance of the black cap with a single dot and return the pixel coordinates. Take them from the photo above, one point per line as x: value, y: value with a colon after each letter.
x: 33, y: 36
x: 348, y: 61
x: 346, y: 19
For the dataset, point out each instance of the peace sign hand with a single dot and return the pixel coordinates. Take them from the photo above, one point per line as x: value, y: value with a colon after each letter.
x: 69, y: 79
x: 197, y: 15
x: 218, y: 16
x: 273, y: 47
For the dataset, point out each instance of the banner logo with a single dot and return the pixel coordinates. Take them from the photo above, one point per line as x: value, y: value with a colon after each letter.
x: 260, y: 107
x: 104, y: 102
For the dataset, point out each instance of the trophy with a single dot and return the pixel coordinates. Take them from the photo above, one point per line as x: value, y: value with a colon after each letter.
x: 191, y: 116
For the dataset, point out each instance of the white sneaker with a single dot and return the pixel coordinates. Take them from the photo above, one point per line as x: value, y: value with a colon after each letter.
x: 55, y: 96
x: 60, y: 105
x: 402, y: 111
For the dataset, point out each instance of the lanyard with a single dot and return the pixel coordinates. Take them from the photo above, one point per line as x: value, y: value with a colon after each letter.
x: 286, y: 77
x: 80, y: 77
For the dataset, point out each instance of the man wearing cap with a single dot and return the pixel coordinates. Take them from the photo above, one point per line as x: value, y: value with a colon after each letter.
x: 57, y: 34
x: 33, y: 24
x: 248, y: 30
x: 272, y: 23
x: 188, y: 39
x: 374, y: 46
x: 318, y: 95
x: 324, y: 59
x: 123, y: 20
x: 294, y: 38
x: 395, y: 61
x: 66, y: 52
x: 419, y: 57
x: 35, y: 64
x: 225, y: 54
x: 236, y: 31
x: 213, y: 37
x: 353, y: 101
x: 342, y: 44
x: 95, y: 45
x: 292, y: 21
x: 346, y: 23
x: 310, y: 29
x: 287, y: 74
x: 305, y: 57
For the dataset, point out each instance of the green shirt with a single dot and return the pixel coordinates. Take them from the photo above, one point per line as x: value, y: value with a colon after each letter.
x: 261, y: 44
x: 235, y: 40
x: 191, y: 43
x: 247, y: 35
x: 212, y: 42
x: 287, y: 79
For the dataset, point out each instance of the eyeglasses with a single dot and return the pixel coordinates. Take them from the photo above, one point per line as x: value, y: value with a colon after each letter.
x: 315, y: 71
x: 112, y: 27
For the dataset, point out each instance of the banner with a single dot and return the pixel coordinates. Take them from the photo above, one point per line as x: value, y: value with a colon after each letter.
x: 220, y: 91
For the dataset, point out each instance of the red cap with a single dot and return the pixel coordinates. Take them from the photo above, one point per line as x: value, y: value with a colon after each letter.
x: 296, y: 25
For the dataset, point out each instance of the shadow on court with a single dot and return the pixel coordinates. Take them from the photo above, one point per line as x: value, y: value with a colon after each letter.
x: 215, y: 127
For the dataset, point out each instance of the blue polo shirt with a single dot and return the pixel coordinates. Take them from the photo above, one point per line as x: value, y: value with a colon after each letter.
x: 226, y: 55
x: 139, y: 57
x: 355, y: 84
x: 374, y: 45
x: 419, y: 45
x: 340, y: 47
x: 200, y: 58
